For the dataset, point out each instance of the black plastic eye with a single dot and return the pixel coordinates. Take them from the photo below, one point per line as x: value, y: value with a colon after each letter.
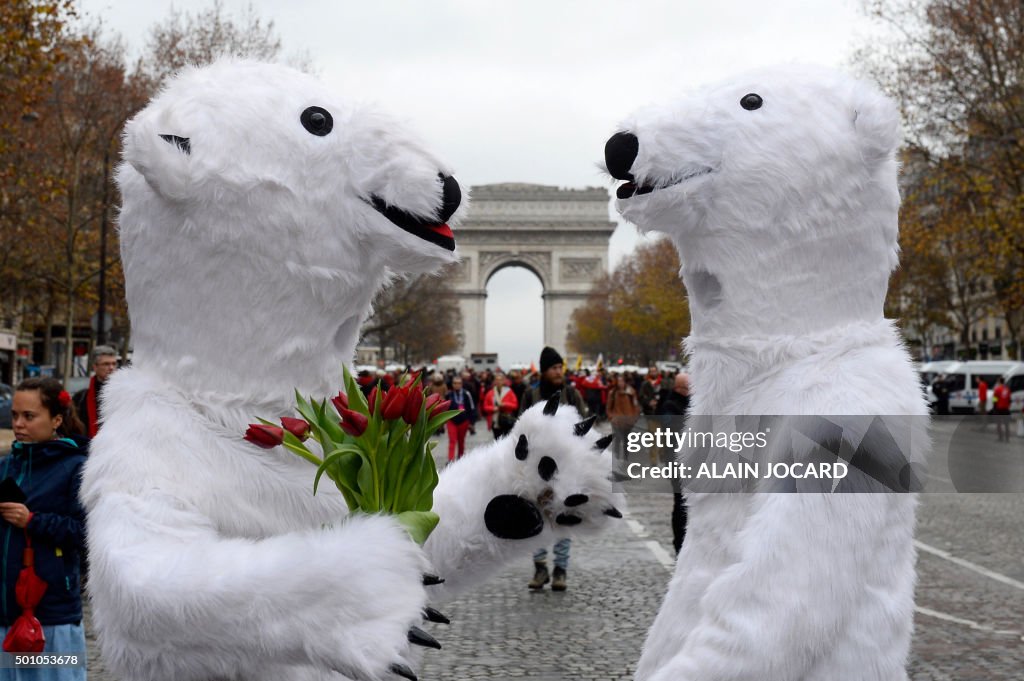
x: 317, y: 120
x: 751, y: 102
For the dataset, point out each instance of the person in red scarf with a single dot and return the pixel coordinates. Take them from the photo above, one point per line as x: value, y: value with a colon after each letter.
x: 500, y: 406
x: 87, y: 402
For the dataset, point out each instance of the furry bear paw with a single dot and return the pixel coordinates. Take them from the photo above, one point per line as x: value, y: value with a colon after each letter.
x: 376, y: 615
x: 560, y: 476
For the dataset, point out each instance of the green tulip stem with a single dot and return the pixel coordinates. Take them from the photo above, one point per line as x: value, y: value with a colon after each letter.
x: 416, y: 441
x: 301, y: 450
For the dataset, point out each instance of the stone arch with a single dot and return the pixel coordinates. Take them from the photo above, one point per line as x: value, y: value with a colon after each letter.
x: 536, y: 262
x: 561, y: 235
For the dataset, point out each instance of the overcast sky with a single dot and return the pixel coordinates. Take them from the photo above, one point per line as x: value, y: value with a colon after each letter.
x: 528, y: 91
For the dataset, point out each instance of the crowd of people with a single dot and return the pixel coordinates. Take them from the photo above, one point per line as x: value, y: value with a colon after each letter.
x: 494, y: 399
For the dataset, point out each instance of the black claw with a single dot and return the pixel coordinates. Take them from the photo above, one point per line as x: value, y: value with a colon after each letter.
x: 432, y: 580
x: 547, y: 468
x: 552, y: 406
x: 432, y: 615
x: 566, y: 519
x: 584, y: 426
x: 613, y: 512
x: 510, y: 517
x: 576, y: 499
x: 603, y: 443
x: 402, y: 670
x: 421, y: 638
x: 183, y: 143
x: 522, y: 448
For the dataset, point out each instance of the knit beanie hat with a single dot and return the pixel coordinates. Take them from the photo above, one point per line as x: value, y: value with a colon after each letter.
x: 549, y: 357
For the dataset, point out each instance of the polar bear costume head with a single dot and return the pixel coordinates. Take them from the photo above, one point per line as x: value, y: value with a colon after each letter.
x: 779, y: 191
x: 259, y: 205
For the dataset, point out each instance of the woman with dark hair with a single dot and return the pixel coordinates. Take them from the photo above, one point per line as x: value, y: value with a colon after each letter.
x: 39, y: 509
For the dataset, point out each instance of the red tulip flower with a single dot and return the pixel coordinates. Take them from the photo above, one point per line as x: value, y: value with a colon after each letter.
x: 353, y: 422
x: 380, y: 430
x: 340, y: 401
x: 412, y: 405
x: 440, y: 407
x: 394, y: 403
x: 265, y: 436
x: 297, y: 427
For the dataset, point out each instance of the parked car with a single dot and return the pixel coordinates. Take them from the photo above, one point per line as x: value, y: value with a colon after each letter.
x: 6, y: 395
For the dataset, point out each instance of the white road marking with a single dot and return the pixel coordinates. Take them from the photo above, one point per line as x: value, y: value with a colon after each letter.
x: 984, y: 571
x: 970, y: 623
x: 660, y: 554
x: 668, y: 562
x: 636, y: 527
x: 663, y: 556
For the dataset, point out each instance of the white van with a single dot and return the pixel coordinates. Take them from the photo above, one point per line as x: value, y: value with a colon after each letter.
x: 963, y: 377
x: 455, y: 362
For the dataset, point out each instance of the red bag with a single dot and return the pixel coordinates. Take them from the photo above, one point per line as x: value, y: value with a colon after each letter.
x: 26, y: 634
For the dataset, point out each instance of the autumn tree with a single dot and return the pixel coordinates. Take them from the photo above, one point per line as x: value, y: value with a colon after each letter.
x: 417, y: 317
x: 921, y: 289
x: 639, y: 312
x: 957, y: 69
x: 65, y: 95
x: 33, y: 38
x: 186, y: 38
x: 592, y: 329
x: 85, y: 108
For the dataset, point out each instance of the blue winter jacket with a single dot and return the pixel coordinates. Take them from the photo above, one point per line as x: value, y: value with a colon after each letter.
x: 50, y: 474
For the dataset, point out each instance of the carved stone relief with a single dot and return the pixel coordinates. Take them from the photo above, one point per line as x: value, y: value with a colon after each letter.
x: 579, y: 269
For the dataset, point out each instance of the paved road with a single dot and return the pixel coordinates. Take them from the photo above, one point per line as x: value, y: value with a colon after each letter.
x: 970, y: 596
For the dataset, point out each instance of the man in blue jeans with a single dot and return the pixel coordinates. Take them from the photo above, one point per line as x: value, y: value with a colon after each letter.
x: 541, y: 576
x: 552, y: 381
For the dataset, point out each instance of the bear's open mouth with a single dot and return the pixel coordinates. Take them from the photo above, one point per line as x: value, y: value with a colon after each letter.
x: 438, y: 233
x: 630, y: 189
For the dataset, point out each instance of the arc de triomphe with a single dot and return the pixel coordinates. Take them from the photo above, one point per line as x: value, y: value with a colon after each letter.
x: 561, y: 235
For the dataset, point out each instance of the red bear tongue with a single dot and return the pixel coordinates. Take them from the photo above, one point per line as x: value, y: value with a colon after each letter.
x: 443, y: 230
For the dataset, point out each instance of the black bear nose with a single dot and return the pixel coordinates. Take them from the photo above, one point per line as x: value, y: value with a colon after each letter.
x: 619, y: 153
x: 452, y: 197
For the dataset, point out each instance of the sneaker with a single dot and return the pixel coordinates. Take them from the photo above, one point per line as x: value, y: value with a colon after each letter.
x: 540, y: 577
x: 558, y: 583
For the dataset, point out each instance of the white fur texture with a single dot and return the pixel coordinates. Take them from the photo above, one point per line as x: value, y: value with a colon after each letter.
x: 250, y: 264
x: 787, y: 241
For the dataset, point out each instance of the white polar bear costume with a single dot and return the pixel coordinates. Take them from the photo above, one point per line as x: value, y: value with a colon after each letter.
x: 261, y: 214
x: 778, y: 189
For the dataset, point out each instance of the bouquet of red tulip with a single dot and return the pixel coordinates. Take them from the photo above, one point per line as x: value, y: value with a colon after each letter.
x: 378, y: 455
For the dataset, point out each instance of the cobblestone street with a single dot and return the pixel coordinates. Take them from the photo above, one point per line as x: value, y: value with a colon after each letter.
x: 970, y: 597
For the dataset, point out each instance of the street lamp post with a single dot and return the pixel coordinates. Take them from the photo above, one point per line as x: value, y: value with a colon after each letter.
x: 101, y: 316
x: 101, y: 312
